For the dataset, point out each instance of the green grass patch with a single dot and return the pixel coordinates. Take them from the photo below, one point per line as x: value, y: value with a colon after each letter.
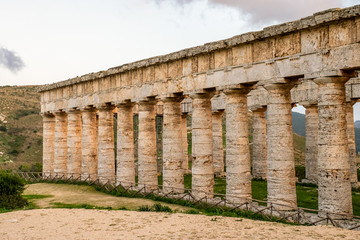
x: 85, y: 206
x: 36, y: 196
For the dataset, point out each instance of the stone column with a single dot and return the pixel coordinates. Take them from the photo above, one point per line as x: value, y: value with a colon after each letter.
x: 89, y: 162
x: 280, y: 147
x: 311, y: 154
x: 60, y: 146
x: 218, y: 149
x: 74, y: 144
x: 147, y: 164
x: 125, y: 162
x: 333, y: 159
x: 185, y: 142
x: 238, y: 166
x: 48, y: 144
x: 351, y: 141
x: 202, y: 146
x: 173, y: 172
x: 259, y: 144
x: 106, y: 151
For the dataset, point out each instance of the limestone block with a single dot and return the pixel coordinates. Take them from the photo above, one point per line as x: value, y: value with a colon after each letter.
x: 242, y: 54
x: 89, y: 162
x: 147, y: 164
x: 60, y: 146
x: 106, y: 153
x: 350, y: 130
x: 48, y: 143
x: 314, y: 39
x: 342, y: 33
x: 125, y: 162
x: 259, y: 145
x: 280, y: 149
x: 203, y: 63
x: 173, y: 150
x: 74, y: 144
x: 238, y: 166
x: 220, y: 59
x: 264, y: 49
x: 286, y: 45
x: 333, y: 150
x: 311, y: 143
x: 202, y: 146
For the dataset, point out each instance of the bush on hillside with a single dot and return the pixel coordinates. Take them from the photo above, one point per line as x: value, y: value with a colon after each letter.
x: 11, y: 188
x: 300, y: 172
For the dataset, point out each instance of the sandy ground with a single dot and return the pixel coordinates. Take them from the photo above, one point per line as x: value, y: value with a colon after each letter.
x: 102, y: 224
x: 78, y: 194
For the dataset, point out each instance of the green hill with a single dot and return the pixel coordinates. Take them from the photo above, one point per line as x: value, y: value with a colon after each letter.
x: 20, y: 127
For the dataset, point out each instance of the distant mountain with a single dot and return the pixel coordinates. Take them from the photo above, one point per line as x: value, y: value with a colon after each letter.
x: 357, y: 124
x: 298, y: 123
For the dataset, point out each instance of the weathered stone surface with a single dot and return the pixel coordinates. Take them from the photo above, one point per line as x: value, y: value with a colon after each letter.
x: 238, y: 166
x: 350, y: 131
x: 280, y: 149
x: 311, y: 152
x: 106, y: 152
x: 202, y: 146
x: 74, y: 144
x: 89, y: 162
x: 259, y: 145
x: 125, y: 170
x: 333, y: 159
x: 147, y: 165
x: 173, y: 150
x: 218, y: 149
x: 48, y: 143
x: 60, y: 146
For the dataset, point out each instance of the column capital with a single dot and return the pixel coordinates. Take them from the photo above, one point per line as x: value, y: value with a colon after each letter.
x: 125, y: 104
x: 165, y: 99
x: 88, y: 109
x: 73, y: 111
x: 258, y: 109
x: 271, y: 87
x: 147, y: 101
x: 324, y: 80
x: 60, y: 113
x: 198, y: 95
x: 105, y: 107
x: 47, y: 115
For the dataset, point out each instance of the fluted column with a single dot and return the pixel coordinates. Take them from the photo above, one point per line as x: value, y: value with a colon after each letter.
x: 89, y: 147
x: 125, y: 171
x: 202, y: 146
x: 259, y: 145
x: 185, y: 142
x: 280, y: 147
x: 48, y: 144
x: 106, y: 152
x: 60, y: 146
x: 218, y: 149
x: 74, y: 144
x: 147, y: 164
x: 238, y: 166
x: 333, y: 161
x: 311, y: 153
x: 173, y: 172
x: 351, y: 141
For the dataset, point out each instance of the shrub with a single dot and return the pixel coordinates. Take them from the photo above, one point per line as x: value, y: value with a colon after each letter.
x: 11, y: 188
x: 192, y: 211
x: 3, y: 129
x: 160, y: 208
x: 144, y: 208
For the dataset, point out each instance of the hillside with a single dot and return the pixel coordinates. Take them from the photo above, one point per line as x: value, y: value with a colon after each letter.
x: 20, y: 127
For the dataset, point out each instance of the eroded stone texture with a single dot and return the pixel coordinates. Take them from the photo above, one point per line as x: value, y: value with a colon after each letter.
x: 184, y: 142
x: 60, y: 146
x: 280, y: 150
x: 147, y: 164
x: 48, y: 143
x: 311, y: 143
x: 218, y: 149
x: 125, y: 171
x: 351, y: 141
x: 89, y: 160
x: 106, y: 152
x: 74, y: 144
x: 173, y: 173
x: 333, y: 161
x: 202, y: 146
x: 259, y: 145
x: 238, y: 166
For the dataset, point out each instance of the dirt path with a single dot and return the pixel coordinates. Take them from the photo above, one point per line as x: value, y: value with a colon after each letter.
x: 77, y: 194
x: 101, y: 224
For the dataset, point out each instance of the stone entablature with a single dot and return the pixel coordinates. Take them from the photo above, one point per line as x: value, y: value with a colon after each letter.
x: 325, y: 44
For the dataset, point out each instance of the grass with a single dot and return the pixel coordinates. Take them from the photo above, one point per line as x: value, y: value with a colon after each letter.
x: 36, y: 196
x: 85, y: 206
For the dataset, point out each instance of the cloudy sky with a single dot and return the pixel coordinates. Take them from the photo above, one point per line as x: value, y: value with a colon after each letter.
x: 45, y: 41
